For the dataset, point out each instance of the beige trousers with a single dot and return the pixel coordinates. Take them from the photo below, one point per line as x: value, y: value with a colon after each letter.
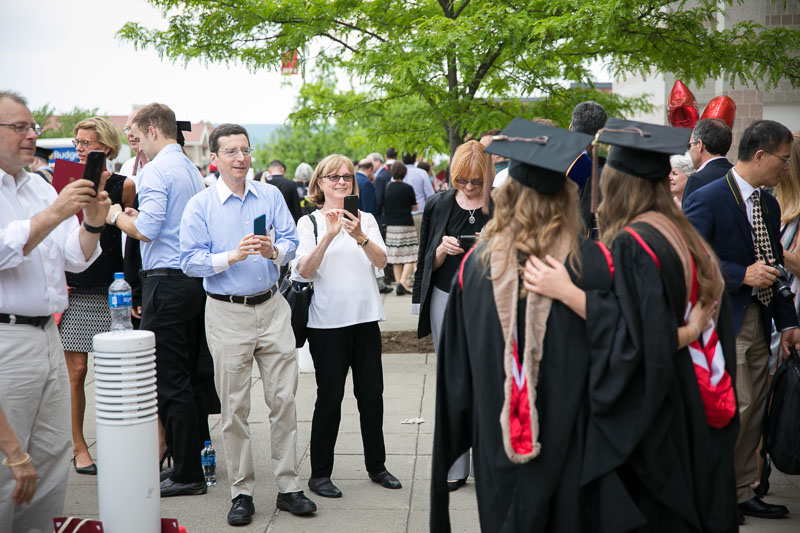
x: 238, y: 335
x: 752, y: 356
x: 34, y: 394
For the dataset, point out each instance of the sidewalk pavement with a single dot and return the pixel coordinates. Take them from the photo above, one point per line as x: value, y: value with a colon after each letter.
x: 409, y: 392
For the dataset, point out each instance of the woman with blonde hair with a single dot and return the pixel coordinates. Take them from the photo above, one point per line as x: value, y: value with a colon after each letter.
x: 788, y: 194
x: 87, y: 313
x: 450, y: 223
x: 512, y: 366
x: 340, y: 253
x: 663, y: 422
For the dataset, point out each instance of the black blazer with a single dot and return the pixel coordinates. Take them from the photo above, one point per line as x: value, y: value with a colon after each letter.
x: 713, y: 170
x: 289, y: 191
x: 434, y: 223
x: 718, y: 213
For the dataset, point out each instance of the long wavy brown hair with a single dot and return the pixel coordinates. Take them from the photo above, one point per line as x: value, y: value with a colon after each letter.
x: 536, y: 222
x: 625, y: 197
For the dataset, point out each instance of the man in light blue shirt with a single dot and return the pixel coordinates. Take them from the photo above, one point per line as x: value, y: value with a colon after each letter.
x: 172, y: 302
x: 224, y: 239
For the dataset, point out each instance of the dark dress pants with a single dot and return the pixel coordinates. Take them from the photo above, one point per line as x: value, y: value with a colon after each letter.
x: 334, y: 351
x: 172, y: 308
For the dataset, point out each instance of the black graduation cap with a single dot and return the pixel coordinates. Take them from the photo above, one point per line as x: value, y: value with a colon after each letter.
x: 183, y: 125
x: 540, y: 155
x: 641, y: 149
x: 43, y: 153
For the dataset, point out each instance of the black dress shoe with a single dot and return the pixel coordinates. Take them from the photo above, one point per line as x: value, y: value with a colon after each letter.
x: 386, y: 480
x: 173, y: 488
x: 324, y: 487
x: 295, y: 502
x: 401, y: 290
x: 455, y: 484
x: 386, y: 290
x: 90, y: 470
x: 242, y: 510
x: 755, y: 506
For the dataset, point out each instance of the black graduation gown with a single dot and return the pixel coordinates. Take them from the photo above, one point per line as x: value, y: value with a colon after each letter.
x: 654, y: 462
x: 542, y: 494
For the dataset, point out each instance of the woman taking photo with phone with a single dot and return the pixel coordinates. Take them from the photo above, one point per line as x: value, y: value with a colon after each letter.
x: 339, y: 253
x: 87, y: 313
x: 447, y: 216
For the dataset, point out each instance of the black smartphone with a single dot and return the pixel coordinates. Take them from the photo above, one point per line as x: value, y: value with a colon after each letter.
x: 465, y: 242
x: 351, y: 204
x: 260, y: 225
x: 95, y: 164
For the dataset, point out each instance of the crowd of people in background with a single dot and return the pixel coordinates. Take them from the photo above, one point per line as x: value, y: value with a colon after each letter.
x: 606, y: 367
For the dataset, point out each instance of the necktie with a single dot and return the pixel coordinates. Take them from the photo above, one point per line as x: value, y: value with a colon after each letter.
x: 762, y: 244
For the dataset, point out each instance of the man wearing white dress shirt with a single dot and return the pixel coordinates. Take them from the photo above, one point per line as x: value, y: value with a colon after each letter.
x: 247, y: 319
x: 39, y: 239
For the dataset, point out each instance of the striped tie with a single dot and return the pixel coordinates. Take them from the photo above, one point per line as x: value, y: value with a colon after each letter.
x: 762, y: 245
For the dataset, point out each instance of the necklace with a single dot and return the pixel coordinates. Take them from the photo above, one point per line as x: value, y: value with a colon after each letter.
x: 472, y: 215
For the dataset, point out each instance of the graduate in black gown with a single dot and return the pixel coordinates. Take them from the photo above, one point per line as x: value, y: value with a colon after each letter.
x: 521, y: 406
x: 658, y: 452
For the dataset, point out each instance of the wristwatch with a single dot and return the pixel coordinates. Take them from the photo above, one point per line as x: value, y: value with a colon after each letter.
x: 114, y: 218
x: 274, y: 253
x: 364, y: 242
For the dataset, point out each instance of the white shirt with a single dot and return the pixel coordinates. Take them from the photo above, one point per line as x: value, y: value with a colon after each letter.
x: 35, y: 285
x: 747, y: 190
x: 345, y: 289
x: 709, y: 161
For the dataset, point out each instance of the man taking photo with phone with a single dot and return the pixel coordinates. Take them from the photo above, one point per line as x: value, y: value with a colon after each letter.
x: 39, y: 239
x: 224, y: 240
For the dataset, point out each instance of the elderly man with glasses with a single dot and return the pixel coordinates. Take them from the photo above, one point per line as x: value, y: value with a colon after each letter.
x: 224, y: 240
x: 39, y: 239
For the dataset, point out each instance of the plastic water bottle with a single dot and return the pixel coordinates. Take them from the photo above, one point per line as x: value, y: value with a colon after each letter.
x: 119, y: 303
x: 209, y: 458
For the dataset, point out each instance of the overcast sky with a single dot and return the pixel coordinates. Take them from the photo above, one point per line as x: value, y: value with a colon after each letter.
x: 65, y: 53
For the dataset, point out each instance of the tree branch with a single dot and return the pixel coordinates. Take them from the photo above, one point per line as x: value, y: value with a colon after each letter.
x: 464, y: 4
x: 483, y: 69
x: 362, y: 30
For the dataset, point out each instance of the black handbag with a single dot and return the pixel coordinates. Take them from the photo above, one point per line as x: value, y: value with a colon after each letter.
x: 781, y: 437
x: 298, y: 295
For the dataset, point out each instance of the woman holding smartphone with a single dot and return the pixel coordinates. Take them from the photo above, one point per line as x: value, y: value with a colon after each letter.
x: 87, y: 313
x: 339, y: 253
x: 447, y: 216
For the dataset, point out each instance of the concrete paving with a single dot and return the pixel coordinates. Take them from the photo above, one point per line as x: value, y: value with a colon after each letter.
x: 409, y: 392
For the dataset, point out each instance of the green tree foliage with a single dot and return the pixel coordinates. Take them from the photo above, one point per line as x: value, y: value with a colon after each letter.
x: 65, y: 123
x: 430, y: 72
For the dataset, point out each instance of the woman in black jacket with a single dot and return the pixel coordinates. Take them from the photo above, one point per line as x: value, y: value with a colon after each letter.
x: 448, y: 216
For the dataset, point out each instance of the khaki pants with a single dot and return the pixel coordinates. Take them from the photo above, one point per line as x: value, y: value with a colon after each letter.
x: 238, y: 335
x: 752, y: 356
x: 34, y: 394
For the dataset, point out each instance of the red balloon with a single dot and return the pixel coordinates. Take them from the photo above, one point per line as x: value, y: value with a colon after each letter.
x: 682, y: 106
x: 723, y: 108
x: 684, y: 116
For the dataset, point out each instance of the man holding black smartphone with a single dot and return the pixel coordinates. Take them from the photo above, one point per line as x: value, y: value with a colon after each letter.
x: 224, y: 240
x: 166, y: 184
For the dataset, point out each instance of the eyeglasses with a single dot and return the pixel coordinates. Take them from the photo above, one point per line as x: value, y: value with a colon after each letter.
x: 464, y: 182
x: 22, y: 128
x: 126, y: 130
x: 786, y: 160
x: 231, y: 152
x: 336, y: 177
x: 689, y: 145
x: 84, y: 144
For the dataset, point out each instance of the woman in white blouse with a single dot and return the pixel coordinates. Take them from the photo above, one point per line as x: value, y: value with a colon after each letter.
x: 341, y: 258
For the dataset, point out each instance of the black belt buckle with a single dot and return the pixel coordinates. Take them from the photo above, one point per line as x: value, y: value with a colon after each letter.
x: 244, y: 300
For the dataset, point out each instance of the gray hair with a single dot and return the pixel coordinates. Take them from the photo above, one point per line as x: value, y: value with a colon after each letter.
x: 375, y: 156
x: 14, y: 96
x: 303, y: 172
x: 683, y: 163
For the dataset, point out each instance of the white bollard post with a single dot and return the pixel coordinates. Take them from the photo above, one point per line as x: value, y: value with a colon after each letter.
x: 128, y: 493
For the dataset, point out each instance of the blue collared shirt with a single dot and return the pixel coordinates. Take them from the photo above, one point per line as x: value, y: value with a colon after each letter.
x: 165, y: 186
x: 366, y: 194
x: 421, y: 183
x: 214, y: 223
